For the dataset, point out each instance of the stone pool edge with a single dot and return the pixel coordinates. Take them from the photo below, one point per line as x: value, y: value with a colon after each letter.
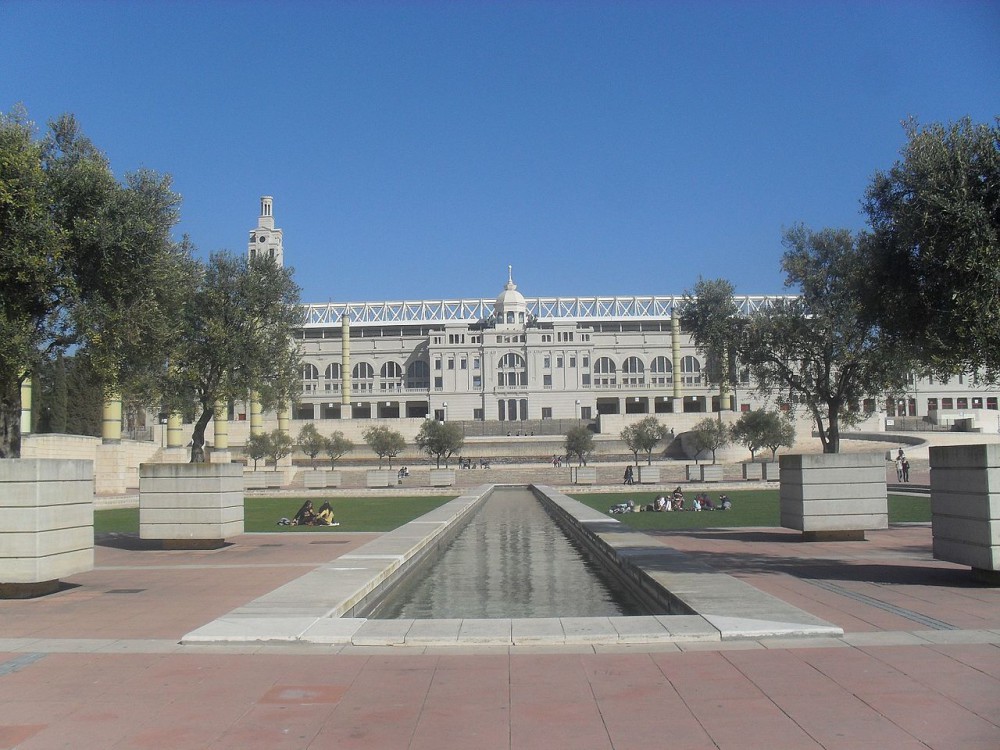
x: 316, y: 607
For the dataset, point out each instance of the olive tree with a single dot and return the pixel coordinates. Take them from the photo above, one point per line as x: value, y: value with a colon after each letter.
x: 384, y: 442
x: 87, y: 264
x: 235, y: 339
x: 762, y: 428
x: 818, y: 350
x: 932, y: 259
x: 710, y: 435
x: 440, y: 439
x: 311, y: 442
x: 257, y: 447
x: 643, y: 436
x: 337, y: 446
x: 279, y: 445
x: 579, y: 443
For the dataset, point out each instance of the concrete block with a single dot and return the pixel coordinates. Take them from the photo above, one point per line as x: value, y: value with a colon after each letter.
x: 190, y: 501
x: 47, y: 518
x: 442, y: 477
x: 980, y: 456
x: 649, y: 475
x: 692, y: 472
x: 965, y: 505
x: 583, y: 475
x: 772, y: 471
x: 380, y: 478
x: 711, y: 472
x: 833, y: 493
x: 753, y: 471
x: 314, y: 479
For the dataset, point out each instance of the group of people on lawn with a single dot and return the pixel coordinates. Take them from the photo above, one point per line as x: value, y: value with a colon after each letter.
x: 676, y: 501
x: 309, y: 516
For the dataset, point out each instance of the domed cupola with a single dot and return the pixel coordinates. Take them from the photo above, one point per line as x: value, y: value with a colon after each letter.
x: 511, y: 309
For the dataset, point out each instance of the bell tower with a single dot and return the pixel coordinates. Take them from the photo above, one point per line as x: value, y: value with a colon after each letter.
x: 265, y: 240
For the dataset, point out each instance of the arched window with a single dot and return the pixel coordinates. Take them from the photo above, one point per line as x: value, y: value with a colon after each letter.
x: 662, y: 371
x: 512, y: 371
x: 605, y: 372
x: 310, y: 374
x: 333, y: 371
x: 418, y: 374
x: 690, y: 371
x: 362, y: 376
x: 633, y: 371
x: 392, y: 376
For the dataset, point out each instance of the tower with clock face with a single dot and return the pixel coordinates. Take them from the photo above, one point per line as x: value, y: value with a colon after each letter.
x: 265, y: 240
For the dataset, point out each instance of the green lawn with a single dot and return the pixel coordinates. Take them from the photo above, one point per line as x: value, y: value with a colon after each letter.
x: 750, y: 508
x: 262, y: 514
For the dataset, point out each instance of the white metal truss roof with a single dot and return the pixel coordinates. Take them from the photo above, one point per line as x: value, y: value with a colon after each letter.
x: 568, y: 309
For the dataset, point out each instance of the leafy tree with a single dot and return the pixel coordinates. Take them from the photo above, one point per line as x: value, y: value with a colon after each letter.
x: 753, y: 428
x: 386, y: 443
x: 710, y: 435
x: 235, y: 339
x: 337, y: 446
x: 783, y: 436
x: 258, y: 446
x: 644, y: 436
x: 933, y: 258
x: 819, y: 349
x: 86, y: 263
x: 440, y: 439
x: 579, y: 443
x: 311, y: 442
x: 279, y: 445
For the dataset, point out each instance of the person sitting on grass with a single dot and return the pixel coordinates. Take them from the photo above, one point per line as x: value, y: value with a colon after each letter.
x: 725, y: 503
x: 306, y: 515
x: 325, y: 515
x: 660, y: 504
x: 706, y: 502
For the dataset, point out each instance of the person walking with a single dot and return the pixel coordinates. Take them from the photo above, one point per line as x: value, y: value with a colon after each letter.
x: 628, y: 475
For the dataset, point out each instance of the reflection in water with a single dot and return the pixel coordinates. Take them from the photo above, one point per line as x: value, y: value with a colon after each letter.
x: 512, y: 560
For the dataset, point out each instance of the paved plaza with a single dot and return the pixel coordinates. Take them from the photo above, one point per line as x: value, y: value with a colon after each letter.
x: 99, y: 664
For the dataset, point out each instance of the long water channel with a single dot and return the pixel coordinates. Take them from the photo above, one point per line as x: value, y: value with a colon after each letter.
x: 511, y: 560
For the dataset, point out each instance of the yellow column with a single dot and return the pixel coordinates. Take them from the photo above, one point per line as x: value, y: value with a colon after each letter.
x: 111, y: 419
x: 26, y: 405
x: 283, y: 418
x: 175, y: 431
x: 675, y: 350
x: 724, y: 395
x: 256, y: 416
x: 221, y: 419
x: 345, y: 360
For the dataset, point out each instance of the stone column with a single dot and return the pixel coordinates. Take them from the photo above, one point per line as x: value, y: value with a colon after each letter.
x: 725, y: 403
x: 26, y: 405
x: 111, y: 419
x: 175, y: 431
x: 256, y: 416
x: 220, y: 421
x: 346, y: 411
x: 675, y: 353
x: 283, y: 414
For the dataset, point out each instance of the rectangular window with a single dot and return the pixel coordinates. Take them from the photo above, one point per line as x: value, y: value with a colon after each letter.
x: 559, y: 362
x: 991, y: 402
x: 438, y: 383
x: 546, y: 412
x: 437, y: 364
x: 547, y: 381
x: 547, y: 362
x: 585, y: 412
x: 572, y: 361
x: 963, y: 403
x: 586, y: 360
x: 931, y: 404
x: 464, y: 363
x: 477, y: 382
x: 451, y: 364
x: 585, y: 380
x: 946, y: 403
x: 477, y: 414
x: 475, y: 363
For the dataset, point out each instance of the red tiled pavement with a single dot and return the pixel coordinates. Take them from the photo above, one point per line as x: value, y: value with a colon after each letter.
x: 88, y: 668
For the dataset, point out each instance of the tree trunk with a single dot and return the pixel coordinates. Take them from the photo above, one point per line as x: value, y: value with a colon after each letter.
x: 198, y: 436
x: 833, y: 433
x: 10, y: 419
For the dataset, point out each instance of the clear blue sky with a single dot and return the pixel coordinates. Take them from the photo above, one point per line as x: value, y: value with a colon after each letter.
x: 415, y: 149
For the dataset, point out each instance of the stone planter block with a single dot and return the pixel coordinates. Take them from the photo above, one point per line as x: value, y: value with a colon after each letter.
x: 442, y: 477
x: 833, y: 496
x: 191, y: 505
x: 753, y: 471
x: 692, y: 472
x: 583, y: 475
x: 314, y: 480
x: 965, y: 507
x: 380, y: 478
x: 47, y: 518
x: 711, y: 472
x: 254, y: 480
x: 274, y: 479
x: 649, y: 475
x: 772, y: 471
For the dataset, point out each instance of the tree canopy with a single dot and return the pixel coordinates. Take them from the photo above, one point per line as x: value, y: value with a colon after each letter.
x: 579, y: 443
x: 761, y: 428
x: 818, y: 350
x: 643, y: 436
x: 337, y: 446
x: 384, y: 442
x: 933, y: 255
x: 234, y: 339
x: 86, y: 262
x: 311, y: 442
x: 440, y: 439
x: 710, y: 435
